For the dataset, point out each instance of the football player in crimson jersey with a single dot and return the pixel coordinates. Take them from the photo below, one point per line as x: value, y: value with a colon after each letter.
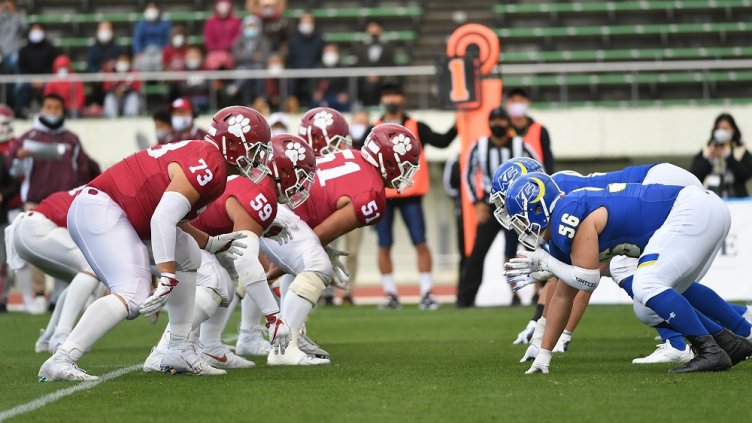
x: 249, y: 209
x: 145, y: 197
x: 326, y: 130
x: 40, y: 237
x: 348, y: 192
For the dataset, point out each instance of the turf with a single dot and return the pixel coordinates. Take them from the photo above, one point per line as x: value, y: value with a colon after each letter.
x: 448, y: 365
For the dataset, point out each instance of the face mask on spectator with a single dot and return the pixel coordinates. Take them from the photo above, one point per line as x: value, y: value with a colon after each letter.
x: 193, y: 63
x: 178, y: 40
x: 722, y: 136
x: 36, y: 36
x: 104, y: 36
x: 251, y: 32
x: 62, y: 72
x: 306, y: 28
x: 267, y: 11
x: 51, y: 121
x: 181, y: 123
x: 357, y: 130
x: 275, y: 69
x: 151, y: 14
x: 122, y: 66
x: 330, y: 59
x: 223, y: 8
x: 517, y: 109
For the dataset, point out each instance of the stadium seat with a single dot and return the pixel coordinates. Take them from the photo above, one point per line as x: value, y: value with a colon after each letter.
x: 625, y: 54
x: 624, y: 30
x: 617, y: 6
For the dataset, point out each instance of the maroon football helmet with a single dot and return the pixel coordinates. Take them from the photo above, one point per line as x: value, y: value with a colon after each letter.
x: 395, y: 151
x: 326, y: 130
x: 292, y: 165
x: 242, y: 135
x: 6, y: 123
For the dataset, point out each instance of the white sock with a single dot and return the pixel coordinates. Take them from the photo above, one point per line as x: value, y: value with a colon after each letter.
x: 23, y: 282
x: 540, y: 327
x: 165, y: 339
x: 296, y: 311
x: 426, y: 283
x: 231, y: 309
x: 284, y: 284
x: 263, y: 297
x: 211, y: 330
x: 387, y: 282
x: 180, y: 306
x: 55, y: 318
x: 250, y: 313
x: 81, y: 287
x: 106, y: 313
x: 207, y: 303
x: 58, y: 286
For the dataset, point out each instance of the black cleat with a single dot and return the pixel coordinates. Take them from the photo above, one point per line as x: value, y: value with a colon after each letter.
x: 391, y: 302
x: 709, y: 357
x: 737, y: 347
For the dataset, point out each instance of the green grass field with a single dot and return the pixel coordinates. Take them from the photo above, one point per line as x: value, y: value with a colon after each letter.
x: 412, y: 366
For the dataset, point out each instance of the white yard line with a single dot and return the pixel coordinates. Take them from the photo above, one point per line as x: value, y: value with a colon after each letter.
x: 62, y: 393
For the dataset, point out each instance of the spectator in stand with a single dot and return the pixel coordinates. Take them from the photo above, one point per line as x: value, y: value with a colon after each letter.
x: 122, y: 96
x: 12, y: 36
x: 196, y: 86
x: 9, y: 199
x: 150, y: 37
x: 102, y: 53
x: 359, y: 124
x: 182, y: 120
x: 162, y: 125
x: 373, y: 51
x: 305, y: 50
x: 66, y: 85
x: 409, y: 202
x: 272, y: 14
x: 36, y: 57
x: 533, y: 133
x: 173, y: 56
x: 251, y: 52
x: 331, y: 92
x: 272, y: 94
x: 279, y: 123
x: 220, y: 32
x: 724, y: 166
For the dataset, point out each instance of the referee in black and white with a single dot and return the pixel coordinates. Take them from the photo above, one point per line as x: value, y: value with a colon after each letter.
x: 485, y: 155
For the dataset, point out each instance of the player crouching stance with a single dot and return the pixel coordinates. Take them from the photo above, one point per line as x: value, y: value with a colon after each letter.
x: 249, y: 209
x: 675, y: 231
x: 144, y: 197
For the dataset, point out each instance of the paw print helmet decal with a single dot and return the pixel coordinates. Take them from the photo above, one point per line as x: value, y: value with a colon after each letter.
x: 395, y: 151
x: 242, y: 135
x: 292, y: 165
x: 326, y: 130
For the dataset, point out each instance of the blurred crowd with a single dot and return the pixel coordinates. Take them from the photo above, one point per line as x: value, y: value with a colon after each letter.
x: 264, y: 39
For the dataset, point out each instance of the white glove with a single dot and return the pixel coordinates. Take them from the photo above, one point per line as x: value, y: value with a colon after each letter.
x: 530, y: 353
x: 527, y: 333
x: 562, y: 345
x: 279, y: 333
x: 340, y: 274
x: 528, y: 269
x: 225, y: 243
x: 280, y: 232
x: 541, y: 363
x: 157, y: 300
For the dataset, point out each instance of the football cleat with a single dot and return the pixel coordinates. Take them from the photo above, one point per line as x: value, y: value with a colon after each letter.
x: 428, y: 302
x: 527, y: 333
x: 666, y: 353
x: 43, y: 342
x: 309, y: 347
x: 57, y: 339
x: 252, y: 342
x: 391, y: 302
x: 748, y: 314
x: 709, y: 356
x: 219, y: 356
x: 182, y: 357
x: 62, y: 367
x: 291, y: 355
x: 562, y: 345
x: 737, y: 347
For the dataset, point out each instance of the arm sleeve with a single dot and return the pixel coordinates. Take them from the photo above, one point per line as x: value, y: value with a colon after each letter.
x: 169, y: 212
x: 741, y: 168
x: 428, y: 137
x: 248, y: 266
x: 548, y: 155
x: 574, y: 276
x: 701, y: 167
x: 471, y: 168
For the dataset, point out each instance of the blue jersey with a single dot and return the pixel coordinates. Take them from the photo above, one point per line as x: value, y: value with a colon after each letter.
x: 635, y: 212
x: 570, y: 181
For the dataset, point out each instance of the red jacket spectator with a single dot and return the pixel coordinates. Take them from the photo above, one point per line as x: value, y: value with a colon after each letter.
x: 66, y: 85
x: 222, y: 29
x: 173, y: 56
x: 127, y: 84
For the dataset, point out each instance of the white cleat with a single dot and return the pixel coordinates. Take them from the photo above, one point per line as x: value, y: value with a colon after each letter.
x: 252, y: 342
x: 748, y: 314
x: 527, y: 333
x: 37, y: 306
x: 43, y: 343
x: 562, y: 345
x: 291, y: 355
x: 62, y: 367
x: 666, y: 353
x: 219, y: 356
x: 309, y: 347
x: 57, y: 339
x: 530, y: 353
x: 182, y: 357
x: 153, y: 363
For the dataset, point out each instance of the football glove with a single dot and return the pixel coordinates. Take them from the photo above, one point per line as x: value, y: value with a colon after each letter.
x: 530, y: 353
x: 541, y: 363
x: 279, y: 333
x: 158, y: 299
x: 226, y: 243
x: 527, y: 333
x: 340, y: 274
x: 280, y: 232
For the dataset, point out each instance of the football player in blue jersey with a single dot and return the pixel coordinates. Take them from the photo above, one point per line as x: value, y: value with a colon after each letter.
x: 654, y: 223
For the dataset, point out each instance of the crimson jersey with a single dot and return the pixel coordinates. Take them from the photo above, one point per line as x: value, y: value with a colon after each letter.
x: 344, y: 174
x: 259, y: 200
x: 138, y: 182
x: 55, y: 207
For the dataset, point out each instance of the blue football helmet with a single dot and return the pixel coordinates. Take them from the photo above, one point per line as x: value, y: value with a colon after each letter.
x: 505, y: 174
x: 530, y: 201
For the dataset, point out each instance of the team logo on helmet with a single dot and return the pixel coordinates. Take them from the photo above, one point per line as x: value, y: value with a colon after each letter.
x: 239, y: 126
x: 401, y: 144
x: 323, y: 119
x: 531, y: 193
x: 295, y: 152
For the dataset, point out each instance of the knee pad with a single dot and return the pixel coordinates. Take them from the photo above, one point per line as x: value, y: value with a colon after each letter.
x: 308, y: 285
x: 622, y: 267
x: 187, y: 252
x: 646, y: 315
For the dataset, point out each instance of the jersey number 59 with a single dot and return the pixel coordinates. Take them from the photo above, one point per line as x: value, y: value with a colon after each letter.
x: 568, y: 223
x: 262, y: 206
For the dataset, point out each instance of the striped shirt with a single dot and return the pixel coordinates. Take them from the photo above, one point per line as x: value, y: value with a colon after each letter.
x: 484, y: 158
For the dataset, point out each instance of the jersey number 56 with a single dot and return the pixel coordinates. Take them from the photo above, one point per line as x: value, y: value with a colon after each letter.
x: 568, y: 223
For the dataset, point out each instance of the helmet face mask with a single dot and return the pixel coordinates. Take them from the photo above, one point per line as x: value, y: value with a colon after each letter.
x: 500, y: 212
x: 504, y: 176
x: 242, y: 136
x: 336, y: 143
x: 529, y: 203
x: 395, y: 152
x: 254, y: 165
x: 405, y: 180
x: 297, y: 194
